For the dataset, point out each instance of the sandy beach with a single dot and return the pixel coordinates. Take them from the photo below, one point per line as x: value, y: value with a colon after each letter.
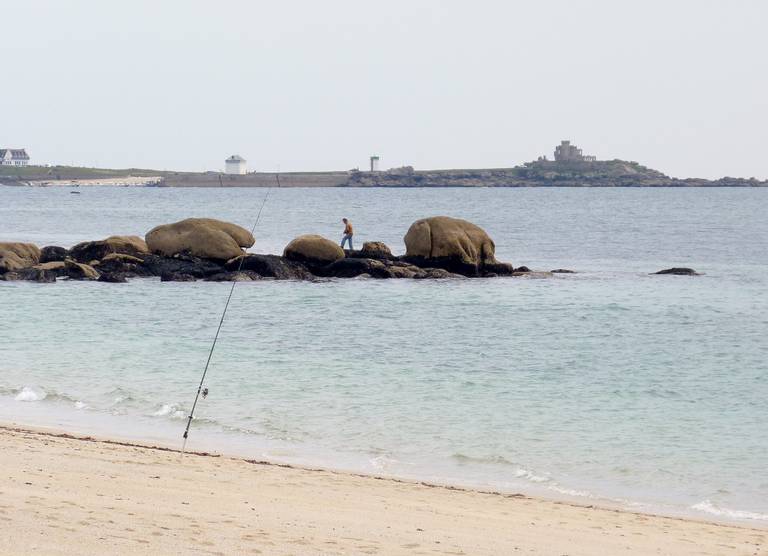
x: 74, y: 495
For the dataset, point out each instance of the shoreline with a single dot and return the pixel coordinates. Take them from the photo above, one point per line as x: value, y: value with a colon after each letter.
x: 500, y: 523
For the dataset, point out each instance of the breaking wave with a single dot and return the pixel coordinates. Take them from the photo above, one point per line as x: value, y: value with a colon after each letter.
x: 29, y: 394
x: 711, y: 508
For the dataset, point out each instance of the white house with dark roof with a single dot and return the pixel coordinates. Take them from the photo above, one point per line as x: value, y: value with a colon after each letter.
x: 14, y: 157
x: 235, y: 164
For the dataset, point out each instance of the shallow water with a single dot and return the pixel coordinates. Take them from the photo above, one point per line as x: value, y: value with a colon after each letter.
x: 610, y: 384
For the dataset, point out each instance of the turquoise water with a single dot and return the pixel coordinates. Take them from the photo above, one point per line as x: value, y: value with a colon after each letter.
x: 608, y: 385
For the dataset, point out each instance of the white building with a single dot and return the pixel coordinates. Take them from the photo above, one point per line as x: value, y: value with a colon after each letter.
x: 14, y: 157
x: 374, y: 163
x: 235, y: 164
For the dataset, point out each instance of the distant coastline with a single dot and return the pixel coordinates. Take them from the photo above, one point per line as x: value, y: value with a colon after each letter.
x: 540, y: 173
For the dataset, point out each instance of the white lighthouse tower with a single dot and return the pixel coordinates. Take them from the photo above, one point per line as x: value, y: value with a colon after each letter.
x: 375, y: 163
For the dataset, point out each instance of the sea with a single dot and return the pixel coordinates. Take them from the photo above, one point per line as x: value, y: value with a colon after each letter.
x: 609, y: 386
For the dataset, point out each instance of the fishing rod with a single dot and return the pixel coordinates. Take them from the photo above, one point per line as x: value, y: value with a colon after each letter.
x: 204, y: 391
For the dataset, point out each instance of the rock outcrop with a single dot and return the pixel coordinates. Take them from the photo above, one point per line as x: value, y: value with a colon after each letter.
x: 200, y: 237
x: 452, y: 244
x: 88, y: 251
x: 313, y: 250
x: 16, y: 256
x: 438, y: 248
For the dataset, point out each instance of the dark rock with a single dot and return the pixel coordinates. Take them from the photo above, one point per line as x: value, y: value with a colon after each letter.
x: 88, y: 251
x: 271, y: 266
x: 381, y: 269
x: 497, y: 269
x: 53, y: 253
x: 522, y: 269
x: 127, y: 265
x: 30, y: 275
x: 183, y: 263
x: 437, y: 274
x: 113, y: 277
x: 352, y: 267
x: 176, y: 277
x: 678, y: 271
x: 452, y: 264
x: 562, y: 271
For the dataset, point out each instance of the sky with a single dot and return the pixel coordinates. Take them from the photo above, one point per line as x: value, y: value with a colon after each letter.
x: 680, y: 86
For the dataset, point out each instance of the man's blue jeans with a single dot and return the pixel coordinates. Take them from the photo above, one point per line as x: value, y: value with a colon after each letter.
x: 347, y: 238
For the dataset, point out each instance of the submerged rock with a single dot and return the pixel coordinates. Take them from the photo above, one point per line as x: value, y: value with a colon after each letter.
x: 88, y: 251
x: 34, y: 274
x: 313, y: 250
x: 17, y: 255
x: 678, y: 271
x: 562, y: 271
x: 201, y: 237
x: 113, y: 277
x: 177, y: 277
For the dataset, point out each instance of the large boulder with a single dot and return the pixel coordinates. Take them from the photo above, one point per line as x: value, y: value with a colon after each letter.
x: 313, y: 250
x: 15, y: 256
x: 88, y: 251
x: 450, y: 243
x: 201, y: 237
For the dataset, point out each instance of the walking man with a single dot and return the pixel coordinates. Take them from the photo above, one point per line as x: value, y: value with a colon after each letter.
x: 348, y: 233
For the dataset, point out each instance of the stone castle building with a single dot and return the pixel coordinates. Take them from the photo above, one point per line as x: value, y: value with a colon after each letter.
x: 566, y: 152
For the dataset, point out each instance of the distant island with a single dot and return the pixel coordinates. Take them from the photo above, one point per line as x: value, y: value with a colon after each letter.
x: 570, y: 168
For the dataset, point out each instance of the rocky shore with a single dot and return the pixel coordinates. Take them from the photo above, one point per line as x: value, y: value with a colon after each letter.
x: 543, y: 173
x: 540, y: 173
x: 207, y: 249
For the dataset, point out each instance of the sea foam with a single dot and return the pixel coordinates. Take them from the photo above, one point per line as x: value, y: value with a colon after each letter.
x: 708, y: 507
x: 28, y: 394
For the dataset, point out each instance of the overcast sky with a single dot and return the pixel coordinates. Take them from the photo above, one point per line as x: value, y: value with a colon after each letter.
x: 680, y: 86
